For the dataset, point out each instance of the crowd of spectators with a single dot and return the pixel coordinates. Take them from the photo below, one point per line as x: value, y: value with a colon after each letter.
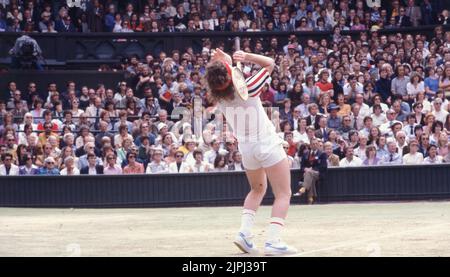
x: 372, y: 100
x: 231, y: 15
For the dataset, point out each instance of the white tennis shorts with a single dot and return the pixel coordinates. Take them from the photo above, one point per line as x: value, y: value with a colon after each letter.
x: 262, y: 154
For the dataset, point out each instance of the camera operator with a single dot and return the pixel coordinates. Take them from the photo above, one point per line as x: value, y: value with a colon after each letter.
x: 26, y: 53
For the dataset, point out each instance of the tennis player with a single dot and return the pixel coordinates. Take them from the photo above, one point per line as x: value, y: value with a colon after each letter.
x: 262, y: 152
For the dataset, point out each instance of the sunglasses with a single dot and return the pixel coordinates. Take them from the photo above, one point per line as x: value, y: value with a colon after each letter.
x: 50, y: 163
x: 179, y: 156
x: 110, y: 158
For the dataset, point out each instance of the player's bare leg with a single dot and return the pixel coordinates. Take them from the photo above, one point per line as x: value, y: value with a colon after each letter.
x: 280, y: 179
x: 258, y: 184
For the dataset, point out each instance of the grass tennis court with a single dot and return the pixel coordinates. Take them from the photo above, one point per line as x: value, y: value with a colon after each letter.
x: 363, y: 229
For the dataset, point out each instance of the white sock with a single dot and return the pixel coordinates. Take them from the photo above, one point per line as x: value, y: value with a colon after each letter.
x: 247, y: 221
x: 275, y: 227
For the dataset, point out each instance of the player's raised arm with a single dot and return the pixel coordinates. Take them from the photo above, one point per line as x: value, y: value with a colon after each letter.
x: 263, y: 61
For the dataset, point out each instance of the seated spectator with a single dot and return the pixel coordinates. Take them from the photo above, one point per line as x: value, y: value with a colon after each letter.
x: 92, y: 167
x: 313, y: 166
x: 413, y: 157
x: 89, y: 149
x: 220, y: 164
x: 69, y: 167
x: 333, y: 159
x: 392, y: 157
x: 433, y: 157
x: 371, y: 156
x: 179, y: 166
x: 157, y: 165
x: 350, y: 160
x: 29, y: 168
x: 112, y: 168
x: 133, y: 166
x: 8, y: 168
x: 49, y: 167
x: 200, y: 165
x: 236, y: 165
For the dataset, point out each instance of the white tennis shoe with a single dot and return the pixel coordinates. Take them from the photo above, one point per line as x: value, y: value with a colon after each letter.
x: 245, y: 244
x: 278, y: 248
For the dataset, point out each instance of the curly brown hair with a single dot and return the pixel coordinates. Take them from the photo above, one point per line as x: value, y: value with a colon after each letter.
x: 217, y: 77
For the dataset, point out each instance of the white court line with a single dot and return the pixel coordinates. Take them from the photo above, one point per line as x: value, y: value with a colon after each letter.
x: 350, y: 243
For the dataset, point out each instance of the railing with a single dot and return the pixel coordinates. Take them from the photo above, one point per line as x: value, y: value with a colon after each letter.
x: 72, y: 50
x: 422, y: 182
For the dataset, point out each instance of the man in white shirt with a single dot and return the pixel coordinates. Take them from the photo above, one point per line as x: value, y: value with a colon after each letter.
x: 386, y: 127
x: 211, y: 155
x: 306, y: 99
x: 237, y: 162
x: 438, y: 112
x: 353, y: 87
x: 409, y: 128
x: 350, y: 160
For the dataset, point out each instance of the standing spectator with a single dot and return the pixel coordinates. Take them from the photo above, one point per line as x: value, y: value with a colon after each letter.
x: 414, y: 13
x: 95, y: 17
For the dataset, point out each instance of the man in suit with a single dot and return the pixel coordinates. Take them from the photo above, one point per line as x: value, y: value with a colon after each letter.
x: 314, y: 165
x: 323, y: 130
x: 314, y: 116
x: 8, y: 168
x: 92, y: 168
x: 170, y: 26
x: 402, y: 20
x: 223, y: 26
x: 285, y: 25
x: 65, y: 25
x: 414, y: 13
